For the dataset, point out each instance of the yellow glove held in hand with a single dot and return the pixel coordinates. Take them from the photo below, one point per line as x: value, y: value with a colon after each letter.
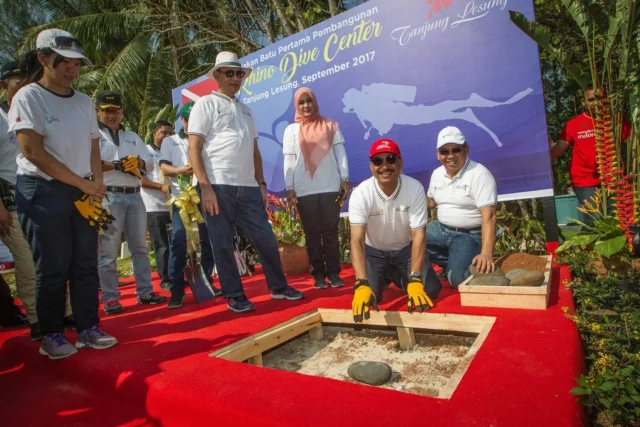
x: 131, y: 165
x: 418, y: 298
x: 97, y: 216
x: 363, y: 298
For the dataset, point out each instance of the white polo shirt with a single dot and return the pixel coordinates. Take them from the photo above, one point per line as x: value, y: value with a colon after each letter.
x: 9, y: 150
x: 154, y: 200
x: 175, y: 152
x: 130, y: 144
x: 68, y: 124
x: 460, y: 198
x: 330, y: 172
x: 389, y: 220
x: 229, y: 130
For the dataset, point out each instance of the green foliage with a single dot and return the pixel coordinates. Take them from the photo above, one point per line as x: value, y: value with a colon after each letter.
x: 285, y: 221
x: 344, y: 236
x: 166, y: 113
x: 523, y: 228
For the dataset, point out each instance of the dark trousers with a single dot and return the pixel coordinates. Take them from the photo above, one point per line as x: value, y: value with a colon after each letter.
x: 157, y: 225
x: 178, y: 252
x: 320, y: 215
x: 8, y: 310
x: 385, y: 267
x: 244, y: 206
x: 65, y: 249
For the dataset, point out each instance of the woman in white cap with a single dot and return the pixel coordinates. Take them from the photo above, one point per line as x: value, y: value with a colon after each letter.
x: 316, y: 176
x: 58, y: 190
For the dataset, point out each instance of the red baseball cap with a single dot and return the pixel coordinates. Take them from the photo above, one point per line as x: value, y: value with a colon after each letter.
x: 384, y: 146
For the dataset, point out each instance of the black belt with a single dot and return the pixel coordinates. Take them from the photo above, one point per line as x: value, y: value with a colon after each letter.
x: 125, y: 190
x: 462, y: 230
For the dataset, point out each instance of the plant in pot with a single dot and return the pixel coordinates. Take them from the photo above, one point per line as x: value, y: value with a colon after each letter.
x: 287, y: 227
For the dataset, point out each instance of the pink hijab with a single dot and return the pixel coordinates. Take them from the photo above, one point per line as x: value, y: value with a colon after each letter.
x: 316, y: 133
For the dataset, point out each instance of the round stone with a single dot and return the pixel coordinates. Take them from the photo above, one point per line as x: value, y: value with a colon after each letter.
x: 372, y: 373
x: 530, y: 278
x: 514, y: 273
x: 475, y: 273
x: 486, y: 280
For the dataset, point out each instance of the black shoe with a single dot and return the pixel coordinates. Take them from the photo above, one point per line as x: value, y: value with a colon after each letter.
x: 240, y: 305
x: 34, y: 332
x: 177, y: 298
x: 335, y: 281
x: 69, y: 322
x: 319, y: 282
x: 165, y: 286
x: 216, y: 291
x: 287, y: 293
x: 17, y: 321
x: 152, y: 299
x: 113, y: 307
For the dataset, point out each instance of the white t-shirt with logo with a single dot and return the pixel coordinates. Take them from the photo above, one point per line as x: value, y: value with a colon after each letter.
x: 229, y: 131
x: 175, y: 152
x: 389, y: 219
x: 330, y: 172
x: 67, y: 123
x: 130, y: 145
x: 154, y: 200
x: 9, y: 150
x: 460, y: 198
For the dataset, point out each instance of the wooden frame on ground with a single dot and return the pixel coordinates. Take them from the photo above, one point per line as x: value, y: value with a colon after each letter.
x: 250, y: 349
x: 528, y: 297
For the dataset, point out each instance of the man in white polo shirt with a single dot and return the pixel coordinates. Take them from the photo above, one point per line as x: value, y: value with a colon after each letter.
x: 124, y: 159
x: 388, y: 215
x: 155, y: 194
x: 465, y: 195
x: 224, y: 154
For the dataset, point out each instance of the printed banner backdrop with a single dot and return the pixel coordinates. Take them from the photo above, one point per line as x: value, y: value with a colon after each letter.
x: 405, y: 69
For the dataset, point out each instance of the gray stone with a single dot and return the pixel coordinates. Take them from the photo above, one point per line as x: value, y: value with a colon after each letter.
x: 486, y: 280
x: 513, y: 273
x: 530, y: 278
x: 475, y: 273
x: 372, y: 373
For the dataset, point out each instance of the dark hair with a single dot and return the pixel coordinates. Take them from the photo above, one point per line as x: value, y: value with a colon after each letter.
x: 161, y: 123
x: 32, y: 68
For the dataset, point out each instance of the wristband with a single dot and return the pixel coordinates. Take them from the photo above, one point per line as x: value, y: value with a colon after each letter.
x: 361, y: 282
x: 262, y: 183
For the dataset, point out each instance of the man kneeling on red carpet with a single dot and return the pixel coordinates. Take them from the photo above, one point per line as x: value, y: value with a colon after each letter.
x: 388, y: 215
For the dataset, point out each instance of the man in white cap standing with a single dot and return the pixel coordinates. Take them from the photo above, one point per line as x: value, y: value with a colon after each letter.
x: 224, y: 155
x: 465, y: 195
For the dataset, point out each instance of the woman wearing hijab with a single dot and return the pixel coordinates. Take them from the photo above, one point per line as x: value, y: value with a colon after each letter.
x: 58, y: 190
x: 317, y: 176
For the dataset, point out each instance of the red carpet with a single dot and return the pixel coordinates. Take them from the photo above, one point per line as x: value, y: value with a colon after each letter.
x: 160, y: 374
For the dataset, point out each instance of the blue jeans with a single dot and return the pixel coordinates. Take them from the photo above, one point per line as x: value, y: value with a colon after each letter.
x: 65, y: 249
x: 384, y: 267
x: 131, y: 219
x: 244, y: 206
x: 178, y: 252
x: 452, y: 250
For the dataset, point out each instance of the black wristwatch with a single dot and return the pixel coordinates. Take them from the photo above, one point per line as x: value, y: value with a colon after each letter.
x: 262, y: 183
x: 415, y: 274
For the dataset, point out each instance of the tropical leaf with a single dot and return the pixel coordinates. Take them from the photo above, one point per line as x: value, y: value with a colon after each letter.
x: 610, y: 247
x: 579, y: 13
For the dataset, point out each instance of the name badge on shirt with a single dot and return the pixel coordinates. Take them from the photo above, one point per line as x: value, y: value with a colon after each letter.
x: 402, y: 208
x: 376, y: 213
x: 130, y: 141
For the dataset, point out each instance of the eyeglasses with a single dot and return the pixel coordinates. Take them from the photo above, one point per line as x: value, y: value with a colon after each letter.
x: 445, y: 152
x: 377, y: 160
x: 66, y: 43
x: 111, y: 110
x: 230, y: 73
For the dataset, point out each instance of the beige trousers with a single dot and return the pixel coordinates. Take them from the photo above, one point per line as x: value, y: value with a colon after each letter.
x: 25, y: 269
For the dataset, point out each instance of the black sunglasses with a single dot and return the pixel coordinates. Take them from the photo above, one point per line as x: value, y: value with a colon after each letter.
x: 445, y: 152
x: 66, y: 43
x: 230, y: 73
x: 377, y: 160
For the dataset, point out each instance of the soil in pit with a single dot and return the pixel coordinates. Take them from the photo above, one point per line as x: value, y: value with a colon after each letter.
x: 524, y: 261
x: 425, y: 370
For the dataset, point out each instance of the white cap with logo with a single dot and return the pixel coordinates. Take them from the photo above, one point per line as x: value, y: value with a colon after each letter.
x: 62, y: 43
x: 450, y: 135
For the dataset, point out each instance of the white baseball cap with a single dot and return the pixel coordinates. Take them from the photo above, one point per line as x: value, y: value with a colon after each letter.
x: 450, y: 135
x: 62, y: 43
x: 228, y: 60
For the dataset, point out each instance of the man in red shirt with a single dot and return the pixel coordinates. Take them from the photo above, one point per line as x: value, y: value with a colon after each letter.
x: 579, y: 132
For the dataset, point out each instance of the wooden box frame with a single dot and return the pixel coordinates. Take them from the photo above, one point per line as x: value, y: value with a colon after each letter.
x: 527, y: 297
x: 250, y: 349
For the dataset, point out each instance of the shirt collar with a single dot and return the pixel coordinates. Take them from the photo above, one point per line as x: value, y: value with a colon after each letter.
x: 182, y: 134
x: 102, y: 126
x: 154, y: 146
x: 393, y: 195
x: 222, y: 96
x: 460, y: 172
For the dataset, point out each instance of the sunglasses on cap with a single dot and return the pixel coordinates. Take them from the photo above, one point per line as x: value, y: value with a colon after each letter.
x: 66, y: 43
x: 230, y: 73
x: 111, y: 110
x: 445, y: 152
x: 391, y: 159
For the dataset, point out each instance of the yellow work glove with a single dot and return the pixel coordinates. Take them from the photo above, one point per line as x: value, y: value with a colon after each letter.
x: 98, y: 217
x: 130, y: 165
x: 418, y: 298
x: 363, y: 298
